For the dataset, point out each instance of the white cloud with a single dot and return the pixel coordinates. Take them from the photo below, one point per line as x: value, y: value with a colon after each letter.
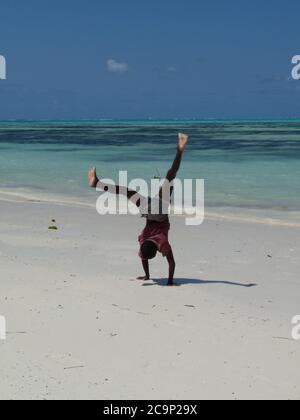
x: 114, y: 67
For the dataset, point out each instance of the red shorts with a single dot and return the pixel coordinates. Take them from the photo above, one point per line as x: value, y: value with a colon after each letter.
x: 158, y: 233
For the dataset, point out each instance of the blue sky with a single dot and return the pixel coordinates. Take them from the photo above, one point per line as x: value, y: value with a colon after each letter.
x: 137, y: 59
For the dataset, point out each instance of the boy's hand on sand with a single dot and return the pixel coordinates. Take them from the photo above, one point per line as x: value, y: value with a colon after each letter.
x: 182, y: 141
x: 144, y: 278
x: 92, y: 177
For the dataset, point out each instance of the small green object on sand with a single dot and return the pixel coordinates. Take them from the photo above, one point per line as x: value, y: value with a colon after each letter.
x: 52, y: 228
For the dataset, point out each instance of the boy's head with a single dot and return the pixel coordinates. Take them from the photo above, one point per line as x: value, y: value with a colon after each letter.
x: 149, y: 250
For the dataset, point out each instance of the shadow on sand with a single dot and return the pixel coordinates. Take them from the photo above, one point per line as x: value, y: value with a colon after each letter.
x: 184, y: 282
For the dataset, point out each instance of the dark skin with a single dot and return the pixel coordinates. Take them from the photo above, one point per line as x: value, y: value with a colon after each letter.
x: 94, y: 182
x: 145, y: 264
x: 172, y: 265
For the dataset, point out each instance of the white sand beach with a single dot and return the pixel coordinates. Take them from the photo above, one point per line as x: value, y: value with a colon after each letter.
x: 79, y: 326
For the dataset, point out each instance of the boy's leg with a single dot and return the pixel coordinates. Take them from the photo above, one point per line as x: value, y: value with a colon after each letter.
x: 94, y: 182
x: 167, y: 190
x: 172, y: 172
x: 92, y: 177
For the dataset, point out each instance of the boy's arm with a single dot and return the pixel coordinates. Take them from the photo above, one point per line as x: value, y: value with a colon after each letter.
x: 146, y: 269
x: 172, y: 265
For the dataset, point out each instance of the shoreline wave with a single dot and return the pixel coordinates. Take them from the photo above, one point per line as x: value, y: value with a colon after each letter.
x: 229, y: 214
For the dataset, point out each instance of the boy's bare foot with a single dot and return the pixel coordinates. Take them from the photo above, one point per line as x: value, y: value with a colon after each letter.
x: 92, y: 177
x: 182, y: 141
x: 144, y: 278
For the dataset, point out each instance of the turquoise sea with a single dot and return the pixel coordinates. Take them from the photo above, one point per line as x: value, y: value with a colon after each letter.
x: 247, y: 165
